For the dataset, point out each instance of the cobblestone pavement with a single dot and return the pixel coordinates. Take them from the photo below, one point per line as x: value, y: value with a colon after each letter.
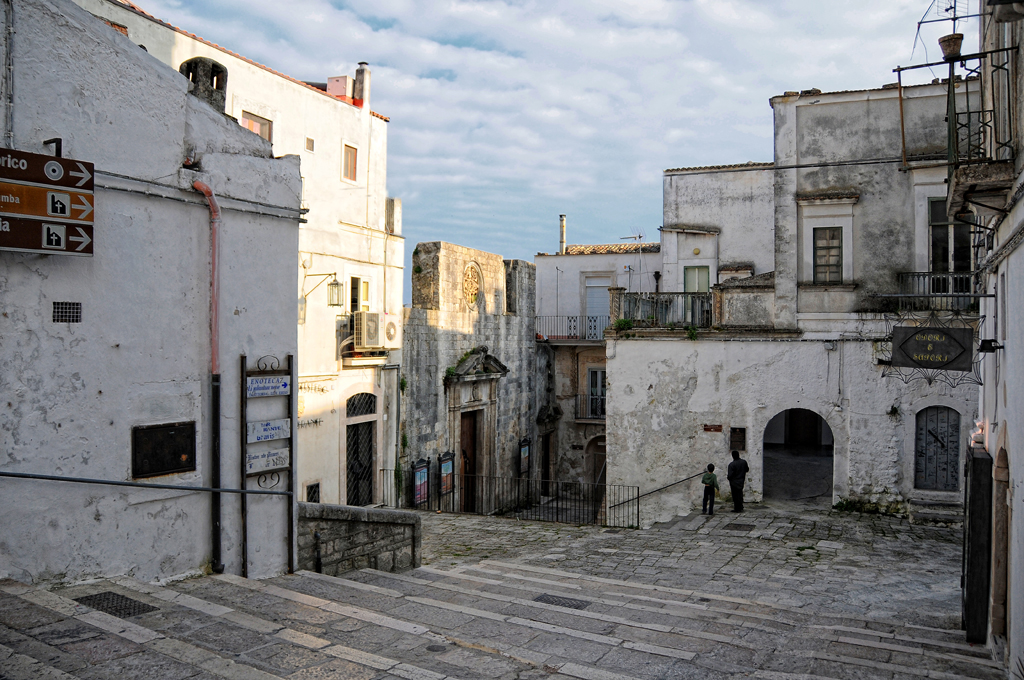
x: 797, y: 553
x: 785, y: 591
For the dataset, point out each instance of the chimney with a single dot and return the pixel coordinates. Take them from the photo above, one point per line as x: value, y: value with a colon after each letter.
x: 361, y: 88
x: 561, y: 231
x: 209, y: 80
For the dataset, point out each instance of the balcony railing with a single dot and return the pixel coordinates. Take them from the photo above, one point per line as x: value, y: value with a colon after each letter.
x: 572, y: 327
x: 939, y: 291
x: 590, y: 407
x: 668, y: 310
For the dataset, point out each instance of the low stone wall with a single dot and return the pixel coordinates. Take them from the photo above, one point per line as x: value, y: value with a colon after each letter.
x: 357, y: 538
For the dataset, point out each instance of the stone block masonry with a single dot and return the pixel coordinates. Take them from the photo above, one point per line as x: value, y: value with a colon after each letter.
x: 357, y: 538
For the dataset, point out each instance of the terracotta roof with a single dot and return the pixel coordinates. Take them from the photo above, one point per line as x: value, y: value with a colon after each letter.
x: 749, y: 165
x: 613, y: 248
x: 765, y: 280
x: 135, y: 8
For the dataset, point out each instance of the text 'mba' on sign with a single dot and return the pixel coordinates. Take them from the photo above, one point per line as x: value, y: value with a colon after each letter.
x: 947, y: 349
x: 46, y: 204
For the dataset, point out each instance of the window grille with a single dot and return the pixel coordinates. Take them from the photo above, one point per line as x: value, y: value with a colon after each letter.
x: 67, y: 312
x: 363, y: 404
x: 313, y: 493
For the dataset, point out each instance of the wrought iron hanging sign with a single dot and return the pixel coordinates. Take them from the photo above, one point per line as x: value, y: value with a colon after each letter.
x: 929, y: 347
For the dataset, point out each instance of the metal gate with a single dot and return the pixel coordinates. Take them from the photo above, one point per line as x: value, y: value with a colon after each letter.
x: 937, y: 449
x: 359, y: 454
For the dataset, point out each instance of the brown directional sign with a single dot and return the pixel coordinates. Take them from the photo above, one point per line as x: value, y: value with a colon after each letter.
x: 947, y: 349
x: 45, y: 236
x: 34, y: 168
x: 46, y: 204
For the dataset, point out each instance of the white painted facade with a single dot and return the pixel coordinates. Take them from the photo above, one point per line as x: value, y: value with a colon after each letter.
x: 350, y: 232
x: 141, y: 355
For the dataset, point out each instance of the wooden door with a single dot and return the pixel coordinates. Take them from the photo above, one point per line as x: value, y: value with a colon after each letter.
x: 937, y: 449
x: 467, y: 441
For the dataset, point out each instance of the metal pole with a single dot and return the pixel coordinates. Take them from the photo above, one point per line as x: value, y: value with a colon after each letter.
x: 216, y: 564
x: 903, y: 132
x: 243, y: 402
x: 292, y: 441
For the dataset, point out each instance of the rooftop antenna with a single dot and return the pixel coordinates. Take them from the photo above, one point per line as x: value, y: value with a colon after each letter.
x: 638, y: 235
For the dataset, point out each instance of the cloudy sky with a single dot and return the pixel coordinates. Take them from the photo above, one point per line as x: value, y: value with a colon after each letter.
x: 505, y: 113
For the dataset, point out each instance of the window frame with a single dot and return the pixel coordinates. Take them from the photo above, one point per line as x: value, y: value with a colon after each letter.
x: 697, y: 269
x: 250, y: 117
x: 345, y: 147
x: 829, y: 268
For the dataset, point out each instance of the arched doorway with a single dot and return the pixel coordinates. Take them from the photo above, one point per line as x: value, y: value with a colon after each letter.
x: 798, y: 456
x: 360, y: 447
x: 937, y: 449
x: 594, y: 461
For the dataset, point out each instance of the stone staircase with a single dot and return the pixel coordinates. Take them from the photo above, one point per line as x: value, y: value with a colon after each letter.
x: 494, y: 619
x: 936, y: 513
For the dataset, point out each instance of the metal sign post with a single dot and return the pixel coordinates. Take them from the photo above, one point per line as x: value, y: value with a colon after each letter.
x: 267, y: 381
x: 46, y: 204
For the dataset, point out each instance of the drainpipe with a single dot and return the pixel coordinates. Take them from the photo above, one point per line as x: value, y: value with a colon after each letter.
x: 205, y: 190
x: 8, y: 74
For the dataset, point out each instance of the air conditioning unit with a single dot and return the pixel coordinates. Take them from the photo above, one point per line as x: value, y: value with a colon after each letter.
x: 392, y: 331
x: 367, y: 331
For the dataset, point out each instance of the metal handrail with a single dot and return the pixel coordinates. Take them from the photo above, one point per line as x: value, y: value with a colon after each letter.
x: 140, y: 485
x: 664, y: 487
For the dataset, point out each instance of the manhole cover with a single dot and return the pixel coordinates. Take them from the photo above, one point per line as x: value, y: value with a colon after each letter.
x: 740, y: 527
x: 436, y: 648
x: 116, y: 605
x: 562, y: 601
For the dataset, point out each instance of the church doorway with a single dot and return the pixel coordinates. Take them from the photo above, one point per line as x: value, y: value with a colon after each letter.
x: 798, y: 456
x: 470, y: 481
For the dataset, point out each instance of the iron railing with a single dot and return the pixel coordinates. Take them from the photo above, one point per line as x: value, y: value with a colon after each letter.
x: 938, y: 291
x: 668, y: 310
x: 590, y: 407
x: 572, y: 327
x: 578, y: 503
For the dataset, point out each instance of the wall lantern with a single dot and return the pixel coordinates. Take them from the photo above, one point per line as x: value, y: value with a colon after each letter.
x: 988, y: 346
x: 335, y: 290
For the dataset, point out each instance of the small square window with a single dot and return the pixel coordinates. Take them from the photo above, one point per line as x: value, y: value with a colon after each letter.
x: 348, y: 170
x: 737, y: 439
x: 313, y: 493
x: 309, y: 144
x: 67, y: 312
x: 257, y: 124
x: 163, y: 449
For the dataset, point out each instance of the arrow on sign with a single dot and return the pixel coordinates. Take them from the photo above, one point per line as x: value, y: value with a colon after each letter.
x: 82, y: 172
x: 83, y: 206
x: 84, y: 239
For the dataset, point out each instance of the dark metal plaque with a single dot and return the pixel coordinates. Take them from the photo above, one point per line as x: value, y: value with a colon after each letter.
x: 115, y: 604
x: 163, y: 449
x: 947, y: 349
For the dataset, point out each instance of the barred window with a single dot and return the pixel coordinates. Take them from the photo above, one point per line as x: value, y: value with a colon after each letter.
x: 67, y: 312
x: 828, y: 255
x: 313, y: 493
x: 363, y: 404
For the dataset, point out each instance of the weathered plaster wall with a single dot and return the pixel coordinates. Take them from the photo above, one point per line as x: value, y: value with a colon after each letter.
x: 737, y: 203
x: 661, y: 392
x: 442, y: 327
x: 141, y: 356
x: 563, y: 293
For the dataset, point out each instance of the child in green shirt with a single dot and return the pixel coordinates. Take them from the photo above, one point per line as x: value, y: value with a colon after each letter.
x: 710, y: 482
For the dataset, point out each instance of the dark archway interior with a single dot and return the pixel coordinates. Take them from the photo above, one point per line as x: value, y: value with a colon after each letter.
x: 798, y: 456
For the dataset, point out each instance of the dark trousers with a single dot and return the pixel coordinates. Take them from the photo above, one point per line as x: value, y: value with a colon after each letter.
x: 708, y: 506
x: 737, y: 496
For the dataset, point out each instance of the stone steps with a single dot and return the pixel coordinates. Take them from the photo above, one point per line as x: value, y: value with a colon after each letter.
x: 936, y: 513
x: 717, y: 631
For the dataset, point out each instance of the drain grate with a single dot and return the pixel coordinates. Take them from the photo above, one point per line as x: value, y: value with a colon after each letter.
x: 740, y: 527
x: 116, y: 605
x: 437, y: 648
x: 562, y: 601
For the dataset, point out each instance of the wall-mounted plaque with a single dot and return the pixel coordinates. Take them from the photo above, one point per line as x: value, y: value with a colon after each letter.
x: 421, y: 482
x: 163, y: 449
x: 447, y: 473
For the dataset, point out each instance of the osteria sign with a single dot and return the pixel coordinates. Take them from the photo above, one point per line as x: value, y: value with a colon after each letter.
x: 946, y: 349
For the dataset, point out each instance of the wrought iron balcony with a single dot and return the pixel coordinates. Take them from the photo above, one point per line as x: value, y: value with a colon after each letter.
x: 590, y: 407
x: 939, y: 291
x: 668, y: 310
x: 572, y: 327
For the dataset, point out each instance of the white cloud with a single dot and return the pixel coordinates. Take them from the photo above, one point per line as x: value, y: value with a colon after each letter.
x: 506, y: 113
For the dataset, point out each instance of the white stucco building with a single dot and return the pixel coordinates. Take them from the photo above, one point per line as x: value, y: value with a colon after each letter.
x: 106, y: 361
x: 350, y: 253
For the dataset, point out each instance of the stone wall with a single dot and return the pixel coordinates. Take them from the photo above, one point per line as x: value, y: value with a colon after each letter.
x: 357, y: 538
x: 442, y: 327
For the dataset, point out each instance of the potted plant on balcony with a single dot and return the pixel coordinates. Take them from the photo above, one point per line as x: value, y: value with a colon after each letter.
x: 950, y: 45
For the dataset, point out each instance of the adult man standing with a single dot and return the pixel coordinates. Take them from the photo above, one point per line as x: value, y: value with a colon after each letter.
x: 736, y: 475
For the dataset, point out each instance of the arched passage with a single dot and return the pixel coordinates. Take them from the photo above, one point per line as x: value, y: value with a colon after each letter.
x: 798, y: 460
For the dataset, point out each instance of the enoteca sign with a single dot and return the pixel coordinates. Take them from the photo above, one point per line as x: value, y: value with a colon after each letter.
x: 947, y: 349
x: 46, y: 204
